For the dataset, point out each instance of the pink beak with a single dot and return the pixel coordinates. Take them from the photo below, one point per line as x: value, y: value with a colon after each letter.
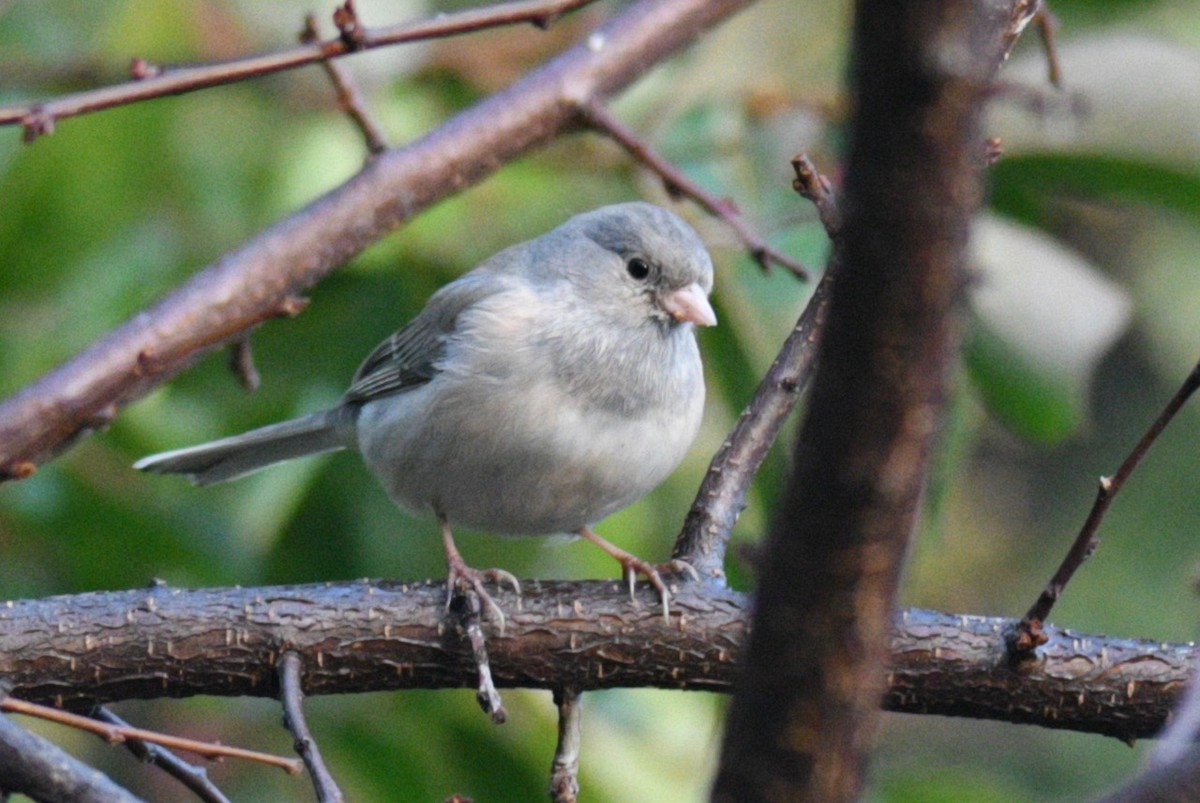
x: 689, y: 304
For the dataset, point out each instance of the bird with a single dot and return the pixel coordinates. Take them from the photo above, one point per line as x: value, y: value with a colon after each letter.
x: 554, y: 384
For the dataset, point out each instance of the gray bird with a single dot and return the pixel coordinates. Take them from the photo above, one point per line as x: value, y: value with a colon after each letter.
x: 556, y: 383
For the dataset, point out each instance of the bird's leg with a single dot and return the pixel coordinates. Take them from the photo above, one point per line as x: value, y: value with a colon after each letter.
x: 461, y: 573
x: 632, y: 565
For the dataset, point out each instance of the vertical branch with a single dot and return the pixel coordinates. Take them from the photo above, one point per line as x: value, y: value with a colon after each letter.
x: 564, y: 772
x: 292, y: 697
x: 802, y: 722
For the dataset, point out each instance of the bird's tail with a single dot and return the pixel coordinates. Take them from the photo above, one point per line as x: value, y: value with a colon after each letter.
x: 239, y: 455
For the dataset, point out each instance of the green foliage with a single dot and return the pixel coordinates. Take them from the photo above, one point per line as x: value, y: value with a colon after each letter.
x: 116, y: 208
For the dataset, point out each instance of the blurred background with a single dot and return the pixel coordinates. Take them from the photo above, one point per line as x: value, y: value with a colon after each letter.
x: 1080, y: 328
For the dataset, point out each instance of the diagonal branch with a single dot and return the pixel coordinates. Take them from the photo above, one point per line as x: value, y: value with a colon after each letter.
x: 722, y: 495
x: 678, y: 184
x: 292, y: 696
x: 1028, y: 634
x: 268, y: 274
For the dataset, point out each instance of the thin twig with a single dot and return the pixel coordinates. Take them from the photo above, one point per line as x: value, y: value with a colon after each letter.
x: 193, y: 777
x: 564, y: 771
x: 292, y: 696
x: 40, y: 117
x: 722, y: 495
x: 1028, y: 634
x: 677, y: 183
x: 117, y: 734
x: 241, y: 362
x: 469, y: 608
x: 349, y: 99
x: 1048, y: 28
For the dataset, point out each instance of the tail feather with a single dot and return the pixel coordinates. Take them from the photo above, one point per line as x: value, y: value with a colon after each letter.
x: 239, y: 455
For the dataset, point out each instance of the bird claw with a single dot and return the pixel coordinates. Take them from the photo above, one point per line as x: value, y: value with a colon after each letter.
x: 466, y: 578
x: 632, y: 566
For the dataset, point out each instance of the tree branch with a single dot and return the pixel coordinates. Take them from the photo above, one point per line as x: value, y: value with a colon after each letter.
x: 267, y: 275
x: 802, y: 720
x: 78, y: 650
x: 38, y: 768
x: 151, y: 81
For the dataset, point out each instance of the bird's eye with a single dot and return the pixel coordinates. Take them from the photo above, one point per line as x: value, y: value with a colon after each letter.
x: 638, y: 268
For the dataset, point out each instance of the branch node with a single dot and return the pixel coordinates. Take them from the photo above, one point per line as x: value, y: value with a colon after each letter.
x: 36, y: 123
x: 291, y: 306
x: 20, y: 470
x: 350, y: 27
x: 140, y: 69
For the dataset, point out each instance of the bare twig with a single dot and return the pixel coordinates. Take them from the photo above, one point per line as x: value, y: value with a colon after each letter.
x: 267, y: 275
x: 468, y: 607
x: 349, y: 99
x: 38, y: 768
x: 117, y: 734
x: 817, y: 188
x: 241, y: 362
x: 564, y: 771
x: 292, y: 696
x: 722, y: 495
x: 1028, y: 634
x: 1048, y: 28
x: 193, y: 777
x: 677, y: 183
x: 40, y: 118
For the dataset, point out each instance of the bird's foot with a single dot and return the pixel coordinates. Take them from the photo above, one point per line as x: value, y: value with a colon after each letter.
x: 632, y: 566
x: 464, y: 578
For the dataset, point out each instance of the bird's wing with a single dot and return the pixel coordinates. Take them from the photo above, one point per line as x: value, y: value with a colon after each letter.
x: 410, y: 357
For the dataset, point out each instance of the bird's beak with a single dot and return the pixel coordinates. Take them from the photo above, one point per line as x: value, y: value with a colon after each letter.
x: 689, y: 304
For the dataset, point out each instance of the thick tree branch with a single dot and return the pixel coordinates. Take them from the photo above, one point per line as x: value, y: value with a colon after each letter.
x: 83, y: 649
x: 266, y: 276
x: 802, y: 721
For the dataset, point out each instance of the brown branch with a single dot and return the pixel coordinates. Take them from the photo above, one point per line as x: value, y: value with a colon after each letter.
x: 1048, y: 30
x: 564, y: 770
x: 1028, y: 633
x: 292, y: 696
x: 267, y: 275
x: 705, y: 534
x: 36, y: 767
x: 241, y: 363
x: 349, y: 99
x: 470, y: 610
x: 802, y: 720
x: 78, y: 650
x: 193, y: 777
x: 115, y: 734
x: 153, y: 82
x: 678, y: 184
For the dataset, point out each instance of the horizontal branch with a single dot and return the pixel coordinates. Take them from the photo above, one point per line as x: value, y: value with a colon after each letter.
x: 154, y: 82
x: 267, y: 275
x: 84, y: 649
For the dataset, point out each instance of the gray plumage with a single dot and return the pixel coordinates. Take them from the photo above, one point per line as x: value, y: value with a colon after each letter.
x: 554, y: 384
